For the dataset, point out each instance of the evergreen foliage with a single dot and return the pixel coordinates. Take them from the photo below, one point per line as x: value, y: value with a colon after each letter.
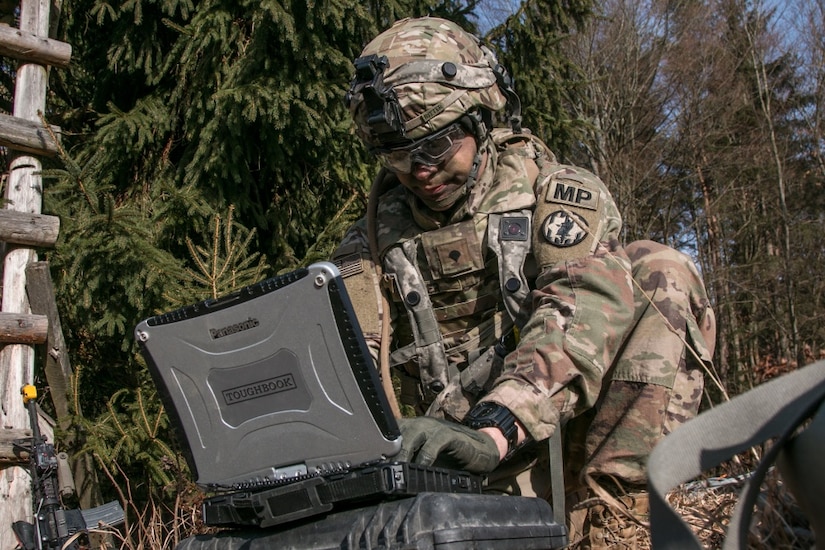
x: 545, y: 78
x: 222, y: 264
x: 206, y: 147
x: 109, y: 270
x: 132, y: 436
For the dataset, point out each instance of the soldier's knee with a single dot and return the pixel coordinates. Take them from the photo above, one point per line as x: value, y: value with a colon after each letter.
x: 653, y: 256
x: 671, y: 276
x: 640, y: 250
x: 652, y: 260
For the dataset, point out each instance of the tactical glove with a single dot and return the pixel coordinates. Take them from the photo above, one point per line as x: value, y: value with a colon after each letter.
x: 431, y: 441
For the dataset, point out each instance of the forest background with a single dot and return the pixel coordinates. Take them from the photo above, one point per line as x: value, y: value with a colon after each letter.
x: 206, y: 146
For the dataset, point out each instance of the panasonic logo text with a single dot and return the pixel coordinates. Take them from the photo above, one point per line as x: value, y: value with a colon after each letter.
x: 216, y: 333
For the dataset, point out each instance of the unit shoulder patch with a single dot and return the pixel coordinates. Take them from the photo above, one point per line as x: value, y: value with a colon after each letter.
x: 564, y: 228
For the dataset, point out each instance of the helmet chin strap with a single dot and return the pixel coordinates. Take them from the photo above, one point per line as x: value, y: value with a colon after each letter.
x: 473, y: 175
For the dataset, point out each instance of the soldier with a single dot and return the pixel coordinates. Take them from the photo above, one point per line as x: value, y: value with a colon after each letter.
x: 491, y: 278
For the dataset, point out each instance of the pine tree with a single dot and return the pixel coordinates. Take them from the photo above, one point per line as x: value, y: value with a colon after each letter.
x: 206, y: 146
x: 528, y: 44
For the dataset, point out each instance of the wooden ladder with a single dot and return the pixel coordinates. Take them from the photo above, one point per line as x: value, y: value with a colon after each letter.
x: 29, y: 316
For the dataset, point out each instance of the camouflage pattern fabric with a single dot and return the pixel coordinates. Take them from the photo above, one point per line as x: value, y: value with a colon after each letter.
x: 592, y: 342
x: 580, y: 308
x: 460, y: 274
x: 658, y: 380
x: 429, y: 95
x: 655, y: 385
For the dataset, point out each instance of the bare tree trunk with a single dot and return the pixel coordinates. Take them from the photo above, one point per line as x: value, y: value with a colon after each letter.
x: 757, y: 59
x: 719, y: 285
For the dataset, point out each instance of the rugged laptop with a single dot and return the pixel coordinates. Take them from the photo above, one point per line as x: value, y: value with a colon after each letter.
x: 277, y: 402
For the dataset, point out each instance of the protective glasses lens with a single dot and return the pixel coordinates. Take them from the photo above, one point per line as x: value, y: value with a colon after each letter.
x: 431, y: 150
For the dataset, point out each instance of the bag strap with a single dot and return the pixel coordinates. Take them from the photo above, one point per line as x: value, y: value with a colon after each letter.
x: 773, y: 409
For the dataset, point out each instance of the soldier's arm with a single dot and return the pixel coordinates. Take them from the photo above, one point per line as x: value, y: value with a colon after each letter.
x: 581, y: 308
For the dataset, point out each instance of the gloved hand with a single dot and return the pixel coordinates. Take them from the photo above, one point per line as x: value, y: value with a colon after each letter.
x: 431, y: 441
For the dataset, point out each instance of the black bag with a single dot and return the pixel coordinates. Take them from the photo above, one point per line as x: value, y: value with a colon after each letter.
x: 428, y: 521
x: 775, y: 409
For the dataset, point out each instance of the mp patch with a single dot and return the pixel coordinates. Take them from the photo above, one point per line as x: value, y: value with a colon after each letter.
x: 564, y: 229
x: 573, y: 191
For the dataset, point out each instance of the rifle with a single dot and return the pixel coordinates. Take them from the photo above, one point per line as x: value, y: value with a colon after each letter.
x: 53, y: 525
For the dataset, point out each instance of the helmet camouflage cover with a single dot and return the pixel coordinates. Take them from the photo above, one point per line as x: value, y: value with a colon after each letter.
x: 417, y: 77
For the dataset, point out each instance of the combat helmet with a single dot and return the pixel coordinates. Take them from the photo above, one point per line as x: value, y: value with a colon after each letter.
x: 420, y: 76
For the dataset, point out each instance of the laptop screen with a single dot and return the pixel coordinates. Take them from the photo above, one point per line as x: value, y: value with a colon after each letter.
x: 271, y: 382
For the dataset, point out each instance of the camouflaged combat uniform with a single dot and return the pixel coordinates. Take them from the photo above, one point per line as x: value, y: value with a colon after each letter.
x: 605, y: 339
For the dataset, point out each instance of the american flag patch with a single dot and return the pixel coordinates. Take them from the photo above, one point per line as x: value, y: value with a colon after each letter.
x: 349, y: 265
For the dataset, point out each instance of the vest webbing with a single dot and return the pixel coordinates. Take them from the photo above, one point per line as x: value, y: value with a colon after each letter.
x: 511, y: 254
x: 402, y: 265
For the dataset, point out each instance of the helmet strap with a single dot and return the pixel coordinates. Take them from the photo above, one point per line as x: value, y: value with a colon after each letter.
x: 473, y: 175
x: 479, y: 123
x: 506, y: 85
x: 449, y: 201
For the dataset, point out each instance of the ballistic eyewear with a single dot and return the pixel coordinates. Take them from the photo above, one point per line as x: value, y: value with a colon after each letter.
x: 431, y: 150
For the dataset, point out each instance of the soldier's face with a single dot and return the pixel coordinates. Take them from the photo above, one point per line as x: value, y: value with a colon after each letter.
x: 437, y: 186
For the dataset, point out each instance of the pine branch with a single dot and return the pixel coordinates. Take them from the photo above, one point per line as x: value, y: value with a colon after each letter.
x: 226, y: 263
